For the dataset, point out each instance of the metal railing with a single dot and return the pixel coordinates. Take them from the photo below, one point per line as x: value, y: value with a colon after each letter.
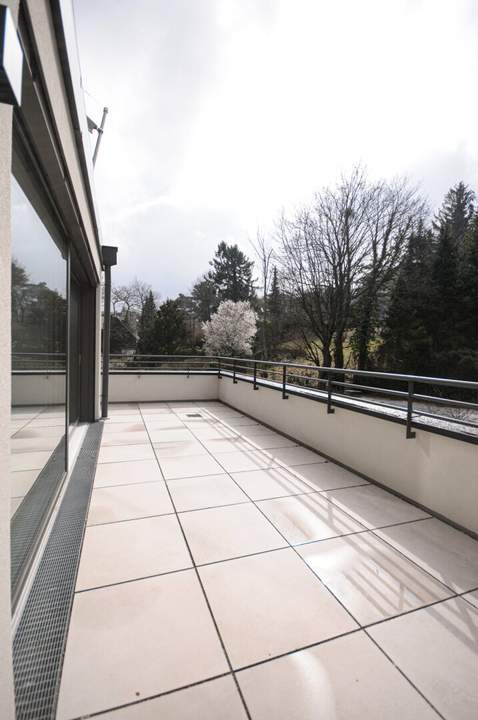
x: 38, y: 362
x: 442, y: 405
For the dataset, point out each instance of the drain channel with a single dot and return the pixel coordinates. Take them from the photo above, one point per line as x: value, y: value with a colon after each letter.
x: 40, y: 639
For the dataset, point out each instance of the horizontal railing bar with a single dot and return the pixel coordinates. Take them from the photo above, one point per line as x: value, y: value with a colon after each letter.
x: 466, y: 384
x: 447, y: 418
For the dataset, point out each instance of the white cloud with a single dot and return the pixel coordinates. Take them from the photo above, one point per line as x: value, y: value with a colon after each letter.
x: 223, y: 111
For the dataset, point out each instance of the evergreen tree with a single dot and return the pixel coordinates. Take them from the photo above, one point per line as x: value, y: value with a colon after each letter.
x: 232, y: 274
x: 456, y: 212
x: 170, y: 328
x: 204, y: 295
x: 275, y: 311
x: 146, y: 339
x: 470, y: 291
x: 445, y: 315
x: 407, y: 343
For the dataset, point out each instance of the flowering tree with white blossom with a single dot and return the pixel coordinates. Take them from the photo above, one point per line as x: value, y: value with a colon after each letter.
x: 231, y: 330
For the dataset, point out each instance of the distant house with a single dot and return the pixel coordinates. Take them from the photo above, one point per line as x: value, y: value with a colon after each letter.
x: 122, y: 340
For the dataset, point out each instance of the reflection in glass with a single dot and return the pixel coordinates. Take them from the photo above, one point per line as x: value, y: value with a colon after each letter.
x: 39, y: 342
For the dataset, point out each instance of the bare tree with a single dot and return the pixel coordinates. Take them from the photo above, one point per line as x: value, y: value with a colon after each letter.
x: 128, y: 301
x: 265, y: 255
x: 395, y: 212
x: 322, y: 252
x: 340, y: 250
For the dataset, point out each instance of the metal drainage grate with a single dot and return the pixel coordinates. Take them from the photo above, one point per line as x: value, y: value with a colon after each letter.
x: 31, y: 514
x: 39, y: 643
x: 193, y: 415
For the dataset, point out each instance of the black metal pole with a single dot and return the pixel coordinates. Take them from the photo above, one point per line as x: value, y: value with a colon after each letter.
x: 410, y: 433
x: 109, y: 259
x: 284, y: 382
x: 100, y: 131
x: 106, y: 342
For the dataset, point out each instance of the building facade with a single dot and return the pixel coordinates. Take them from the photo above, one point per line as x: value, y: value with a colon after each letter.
x: 50, y: 275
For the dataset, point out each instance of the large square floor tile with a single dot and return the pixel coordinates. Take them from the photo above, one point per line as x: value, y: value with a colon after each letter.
x: 180, y: 434
x: 126, y: 502
x: 119, y: 427
x: 227, y: 532
x: 348, y: 678
x: 437, y: 649
x: 125, y: 452
x: 271, y: 483
x: 296, y: 456
x: 42, y: 422
x: 370, y: 578
x: 133, y: 549
x: 125, y: 438
x: 328, y: 476
x: 39, y: 444
x: 28, y: 460
x: 21, y: 482
x: 270, y: 604
x: 127, y: 418
x: 308, y: 517
x: 179, y: 448
x: 203, y: 492
x: 160, y: 423
x: 132, y: 641
x: 270, y: 441
x: 243, y: 460
x: 448, y: 554
x: 472, y: 597
x: 374, y: 507
x: 213, y: 432
x: 122, y: 407
x: 227, y: 445
x: 213, y: 700
x: 191, y: 466
x: 127, y: 473
x: 41, y: 432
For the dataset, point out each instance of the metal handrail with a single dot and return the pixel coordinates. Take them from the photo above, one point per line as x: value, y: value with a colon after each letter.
x: 330, y: 385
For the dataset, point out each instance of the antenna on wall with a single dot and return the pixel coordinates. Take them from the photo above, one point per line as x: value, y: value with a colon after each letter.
x: 92, y: 126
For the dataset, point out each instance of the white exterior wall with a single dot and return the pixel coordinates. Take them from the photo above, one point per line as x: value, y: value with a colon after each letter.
x: 438, y: 472
x: 145, y: 388
x: 38, y: 389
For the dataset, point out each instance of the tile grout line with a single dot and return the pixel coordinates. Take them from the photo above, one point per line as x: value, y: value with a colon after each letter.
x: 382, y: 527
x: 156, y: 696
x: 328, y: 589
x: 402, y: 673
x: 372, y: 530
x: 239, y: 690
x: 360, y: 627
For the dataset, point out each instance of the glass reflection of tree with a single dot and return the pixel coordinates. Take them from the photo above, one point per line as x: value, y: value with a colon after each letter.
x: 38, y: 322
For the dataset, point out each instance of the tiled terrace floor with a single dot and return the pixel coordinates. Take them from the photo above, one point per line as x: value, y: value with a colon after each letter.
x: 35, y: 432
x: 228, y: 573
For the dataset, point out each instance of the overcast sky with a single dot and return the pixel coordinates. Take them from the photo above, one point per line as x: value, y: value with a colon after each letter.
x: 224, y: 111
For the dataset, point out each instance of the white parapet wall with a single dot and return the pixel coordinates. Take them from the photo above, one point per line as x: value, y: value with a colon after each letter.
x: 129, y: 387
x: 38, y: 388
x: 438, y: 472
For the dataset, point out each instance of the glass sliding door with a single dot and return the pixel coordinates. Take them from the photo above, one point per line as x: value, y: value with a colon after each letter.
x: 39, y: 377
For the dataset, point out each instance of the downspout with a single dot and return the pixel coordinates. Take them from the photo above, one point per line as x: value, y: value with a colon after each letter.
x: 109, y: 254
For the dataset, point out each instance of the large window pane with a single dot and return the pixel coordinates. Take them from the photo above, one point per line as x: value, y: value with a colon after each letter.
x: 39, y: 344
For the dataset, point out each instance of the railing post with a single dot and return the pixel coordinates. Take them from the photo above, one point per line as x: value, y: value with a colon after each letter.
x: 284, y: 381
x: 219, y: 368
x: 234, y: 373
x: 255, y: 376
x: 410, y: 433
x: 330, y: 409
